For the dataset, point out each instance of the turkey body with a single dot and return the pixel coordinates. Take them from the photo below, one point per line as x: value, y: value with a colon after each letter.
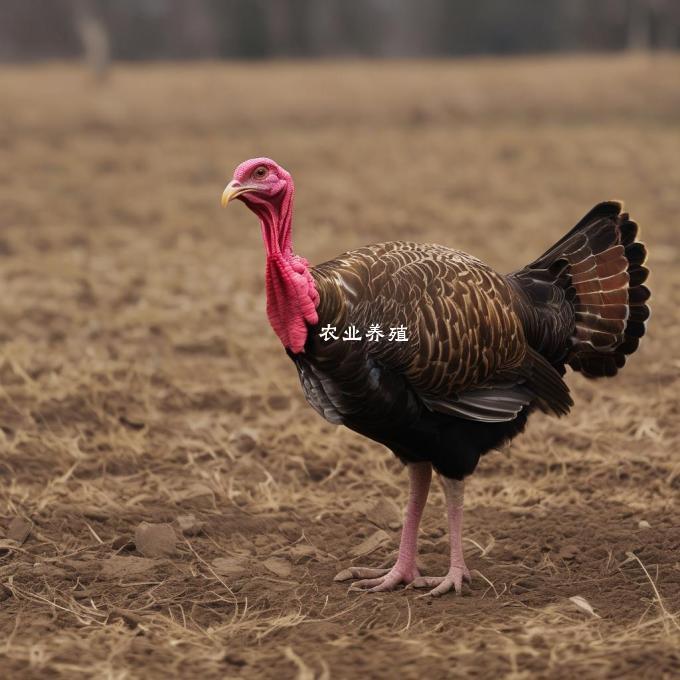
x: 483, y: 350
x: 432, y: 353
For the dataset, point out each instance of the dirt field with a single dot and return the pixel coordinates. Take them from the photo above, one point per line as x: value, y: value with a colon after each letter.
x: 140, y: 381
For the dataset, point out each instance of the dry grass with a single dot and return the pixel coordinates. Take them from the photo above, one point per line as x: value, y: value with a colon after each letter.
x: 139, y: 379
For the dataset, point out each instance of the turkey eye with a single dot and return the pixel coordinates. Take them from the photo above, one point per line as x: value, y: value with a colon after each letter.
x: 260, y: 172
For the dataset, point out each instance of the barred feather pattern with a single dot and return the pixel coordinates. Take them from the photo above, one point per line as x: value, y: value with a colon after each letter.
x: 466, y: 356
x: 598, y: 268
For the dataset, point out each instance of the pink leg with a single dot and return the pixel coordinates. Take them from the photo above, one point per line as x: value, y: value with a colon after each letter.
x: 404, y: 570
x: 458, y: 571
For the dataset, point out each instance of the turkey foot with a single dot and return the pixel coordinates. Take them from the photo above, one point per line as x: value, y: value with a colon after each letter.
x: 454, y: 579
x: 381, y: 580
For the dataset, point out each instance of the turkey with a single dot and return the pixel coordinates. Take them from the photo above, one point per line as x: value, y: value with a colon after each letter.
x: 430, y: 352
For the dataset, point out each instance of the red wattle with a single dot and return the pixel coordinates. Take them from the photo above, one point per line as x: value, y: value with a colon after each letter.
x: 291, y: 299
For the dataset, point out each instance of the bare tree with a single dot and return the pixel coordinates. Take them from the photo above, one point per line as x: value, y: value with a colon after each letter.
x: 94, y: 38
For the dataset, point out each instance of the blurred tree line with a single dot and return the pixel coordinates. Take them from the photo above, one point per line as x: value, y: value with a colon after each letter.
x: 187, y: 29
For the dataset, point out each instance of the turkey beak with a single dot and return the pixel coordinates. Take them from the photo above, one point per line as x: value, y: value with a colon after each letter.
x: 232, y: 190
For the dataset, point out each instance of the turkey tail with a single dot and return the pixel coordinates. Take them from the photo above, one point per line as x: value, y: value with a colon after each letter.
x: 599, y: 265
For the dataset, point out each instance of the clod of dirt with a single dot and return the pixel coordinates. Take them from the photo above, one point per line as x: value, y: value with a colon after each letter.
x: 234, y: 660
x: 123, y: 543
x: 189, y: 525
x: 155, y: 540
x: 229, y: 566
x: 280, y: 567
x: 303, y: 552
x: 569, y: 551
x: 119, y: 566
x: 318, y: 470
x: 644, y: 524
x: 245, y: 440
x: 385, y: 514
x: 372, y: 543
x: 196, y: 492
x: 135, y: 421
x: 19, y: 530
x: 278, y: 402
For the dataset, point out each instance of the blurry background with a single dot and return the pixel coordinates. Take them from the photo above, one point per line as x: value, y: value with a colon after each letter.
x: 140, y: 380
x: 178, y: 29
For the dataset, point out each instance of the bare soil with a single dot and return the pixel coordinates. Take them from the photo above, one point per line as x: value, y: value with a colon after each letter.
x: 140, y: 382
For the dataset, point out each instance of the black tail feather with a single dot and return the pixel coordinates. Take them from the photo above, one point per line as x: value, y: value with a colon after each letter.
x: 599, y: 266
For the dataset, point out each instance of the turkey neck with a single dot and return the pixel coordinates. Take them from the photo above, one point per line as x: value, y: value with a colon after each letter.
x: 292, y: 297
